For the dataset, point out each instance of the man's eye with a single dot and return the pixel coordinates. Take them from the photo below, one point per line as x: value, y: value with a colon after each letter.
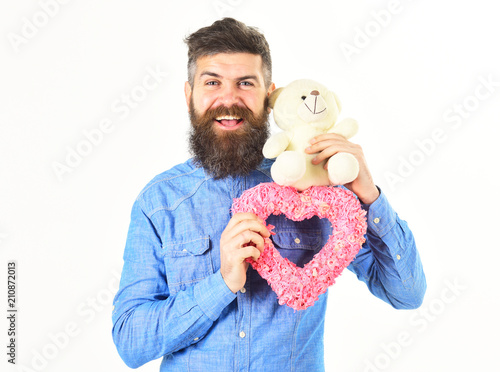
x: 211, y: 83
x: 246, y: 83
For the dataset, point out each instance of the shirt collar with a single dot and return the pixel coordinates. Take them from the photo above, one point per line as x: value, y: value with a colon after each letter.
x: 264, y: 167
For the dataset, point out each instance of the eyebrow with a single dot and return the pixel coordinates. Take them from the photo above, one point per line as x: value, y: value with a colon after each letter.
x: 215, y: 75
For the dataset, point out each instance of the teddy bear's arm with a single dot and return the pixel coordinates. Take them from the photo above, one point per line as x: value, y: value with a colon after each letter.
x: 346, y: 128
x: 276, y: 144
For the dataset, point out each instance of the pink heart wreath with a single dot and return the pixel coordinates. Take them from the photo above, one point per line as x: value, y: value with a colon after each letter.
x: 300, y: 287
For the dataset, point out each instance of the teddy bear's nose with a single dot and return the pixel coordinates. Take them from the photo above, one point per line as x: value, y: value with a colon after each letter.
x: 315, y: 93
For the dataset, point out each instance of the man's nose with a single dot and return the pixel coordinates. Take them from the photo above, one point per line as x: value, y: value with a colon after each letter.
x: 229, y: 95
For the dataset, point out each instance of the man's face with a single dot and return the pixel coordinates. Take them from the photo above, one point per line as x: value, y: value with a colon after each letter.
x: 228, y: 112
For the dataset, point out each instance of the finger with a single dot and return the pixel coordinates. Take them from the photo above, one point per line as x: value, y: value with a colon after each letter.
x: 325, y: 154
x: 334, y: 148
x: 257, y: 226
x: 241, y: 216
x: 248, y: 238
x: 325, y: 137
x: 328, y: 142
x: 249, y: 251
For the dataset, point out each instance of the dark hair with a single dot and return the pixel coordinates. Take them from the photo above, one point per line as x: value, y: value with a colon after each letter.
x: 228, y: 36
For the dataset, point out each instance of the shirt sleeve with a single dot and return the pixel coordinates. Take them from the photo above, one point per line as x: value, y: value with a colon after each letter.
x: 148, y: 322
x: 389, y: 262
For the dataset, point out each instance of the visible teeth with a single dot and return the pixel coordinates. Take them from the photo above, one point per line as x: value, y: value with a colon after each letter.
x: 227, y: 117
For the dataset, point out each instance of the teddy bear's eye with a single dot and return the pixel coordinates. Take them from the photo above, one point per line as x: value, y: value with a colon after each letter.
x: 303, y: 98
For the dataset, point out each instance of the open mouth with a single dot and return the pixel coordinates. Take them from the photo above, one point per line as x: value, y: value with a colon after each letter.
x: 229, y: 122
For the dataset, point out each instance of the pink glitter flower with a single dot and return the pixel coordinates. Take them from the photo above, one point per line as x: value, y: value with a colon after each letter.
x: 323, y: 208
x: 270, y: 208
x: 306, y: 199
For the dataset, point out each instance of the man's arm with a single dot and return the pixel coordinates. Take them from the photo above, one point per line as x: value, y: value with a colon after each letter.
x: 148, y: 322
x: 388, y: 262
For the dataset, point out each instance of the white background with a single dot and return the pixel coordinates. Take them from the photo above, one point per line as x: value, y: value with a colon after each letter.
x: 62, y: 76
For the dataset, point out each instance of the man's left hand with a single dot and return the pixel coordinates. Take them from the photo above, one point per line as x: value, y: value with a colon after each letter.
x: 328, y: 144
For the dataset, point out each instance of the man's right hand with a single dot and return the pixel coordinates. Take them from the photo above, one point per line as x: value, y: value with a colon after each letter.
x: 243, y: 237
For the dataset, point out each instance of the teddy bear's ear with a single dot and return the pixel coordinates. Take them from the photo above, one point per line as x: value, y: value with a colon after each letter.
x: 339, y: 104
x: 274, y: 96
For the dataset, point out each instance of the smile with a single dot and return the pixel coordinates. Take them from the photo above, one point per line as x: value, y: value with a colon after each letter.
x: 228, y: 122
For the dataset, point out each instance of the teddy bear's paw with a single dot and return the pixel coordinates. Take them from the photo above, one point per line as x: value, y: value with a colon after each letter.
x: 347, y: 128
x: 289, y: 167
x: 342, y: 168
x: 275, y: 145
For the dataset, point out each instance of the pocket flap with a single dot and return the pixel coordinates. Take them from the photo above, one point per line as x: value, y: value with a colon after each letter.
x: 193, y: 247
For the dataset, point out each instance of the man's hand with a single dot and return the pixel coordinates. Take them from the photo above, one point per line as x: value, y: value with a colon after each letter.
x: 328, y: 144
x: 243, y: 237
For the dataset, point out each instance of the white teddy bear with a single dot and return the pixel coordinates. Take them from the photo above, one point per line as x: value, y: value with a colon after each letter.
x: 304, y: 109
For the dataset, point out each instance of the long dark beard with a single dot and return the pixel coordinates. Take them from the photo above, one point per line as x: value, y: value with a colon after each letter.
x: 228, y: 153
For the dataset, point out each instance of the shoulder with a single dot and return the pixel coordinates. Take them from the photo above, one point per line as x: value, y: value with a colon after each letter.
x: 168, y: 189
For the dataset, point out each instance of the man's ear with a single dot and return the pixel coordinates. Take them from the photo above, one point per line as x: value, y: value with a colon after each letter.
x: 187, y: 92
x: 271, y: 88
x: 274, y: 96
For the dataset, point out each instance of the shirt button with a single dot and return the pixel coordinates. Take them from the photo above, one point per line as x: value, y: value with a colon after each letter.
x: 297, y: 240
x: 398, y: 257
x: 242, y: 334
x: 196, y: 339
x: 243, y: 290
x: 376, y: 220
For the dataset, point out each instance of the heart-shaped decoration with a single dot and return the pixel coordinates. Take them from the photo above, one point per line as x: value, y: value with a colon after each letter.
x: 300, y: 287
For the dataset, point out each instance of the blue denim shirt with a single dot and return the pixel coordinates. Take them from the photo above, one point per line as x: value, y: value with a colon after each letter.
x: 173, y: 302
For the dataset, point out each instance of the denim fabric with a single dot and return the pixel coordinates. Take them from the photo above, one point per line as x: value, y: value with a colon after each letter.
x: 173, y: 302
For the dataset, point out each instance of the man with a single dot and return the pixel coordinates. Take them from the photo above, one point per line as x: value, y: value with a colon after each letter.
x: 186, y: 292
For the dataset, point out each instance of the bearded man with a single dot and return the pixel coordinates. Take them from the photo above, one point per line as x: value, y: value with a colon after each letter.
x: 186, y: 293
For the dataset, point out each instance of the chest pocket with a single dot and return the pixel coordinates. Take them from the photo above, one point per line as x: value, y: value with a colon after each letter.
x: 186, y: 263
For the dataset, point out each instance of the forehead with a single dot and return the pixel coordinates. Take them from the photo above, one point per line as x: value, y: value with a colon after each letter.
x: 230, y: 65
